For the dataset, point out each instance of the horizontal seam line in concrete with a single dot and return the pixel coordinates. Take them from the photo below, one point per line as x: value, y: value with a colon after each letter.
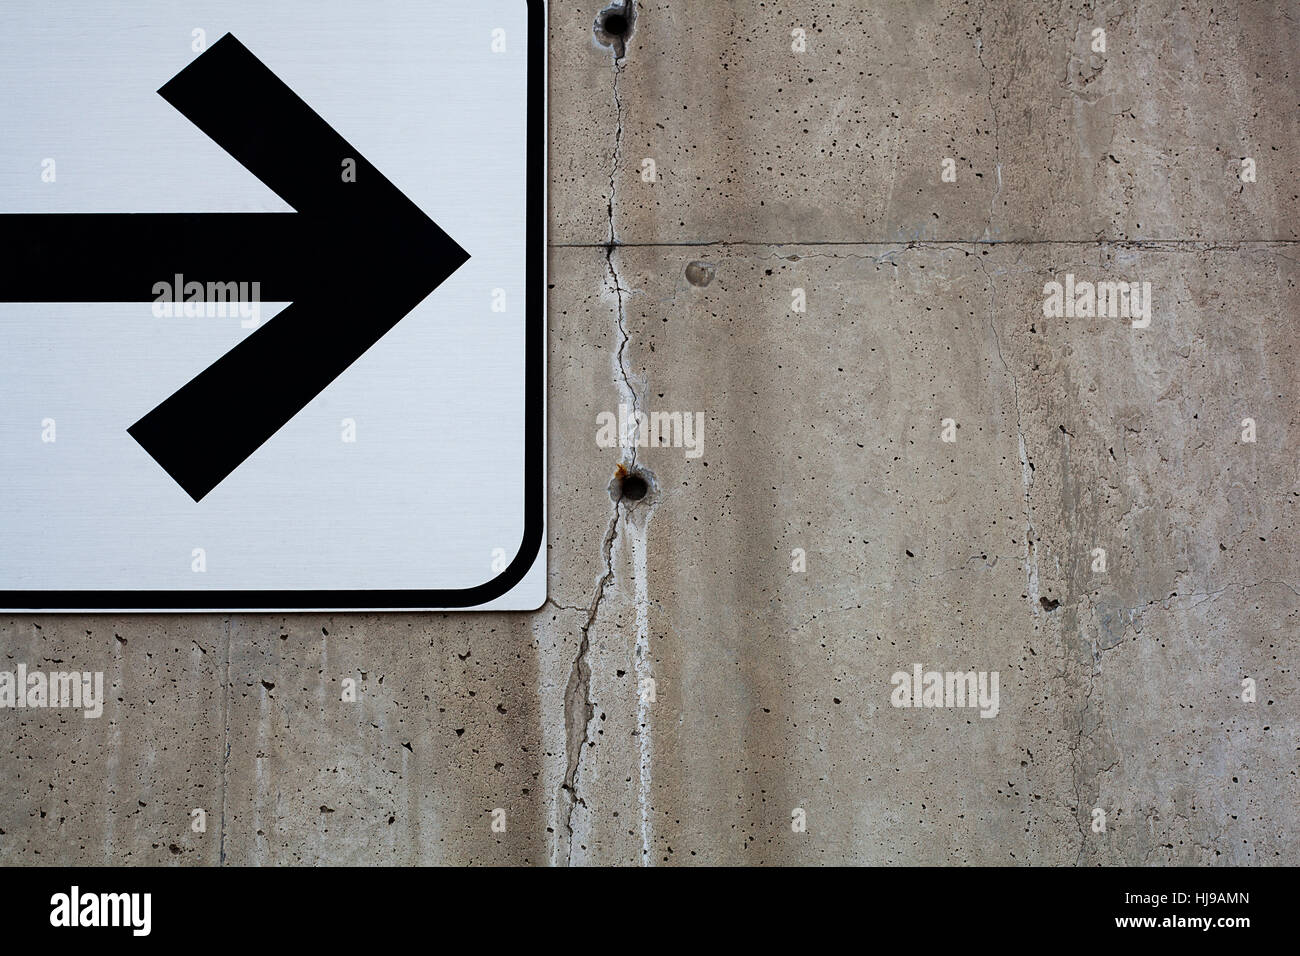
x: 921, y: 243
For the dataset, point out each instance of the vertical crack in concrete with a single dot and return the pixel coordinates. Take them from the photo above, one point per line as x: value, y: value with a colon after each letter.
x: 1077, y: 757
x: 618, y: 148
x: 1026, y: 472
x: 579, y: 708
x: 628, y: 393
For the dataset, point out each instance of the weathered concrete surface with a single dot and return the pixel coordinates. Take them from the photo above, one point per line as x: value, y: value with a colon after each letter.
x: 1120, y: 691
x: 843, y: 142
x: 119, y: 788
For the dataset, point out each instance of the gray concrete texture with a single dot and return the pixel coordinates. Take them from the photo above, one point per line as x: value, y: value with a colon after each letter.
x: 1121, y: 691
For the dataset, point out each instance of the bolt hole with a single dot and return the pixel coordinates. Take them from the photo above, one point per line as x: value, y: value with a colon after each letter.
x: 633, y: 487
x: 615, y: 24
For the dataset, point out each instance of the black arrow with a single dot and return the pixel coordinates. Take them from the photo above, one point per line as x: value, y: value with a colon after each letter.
x: 354, y: 258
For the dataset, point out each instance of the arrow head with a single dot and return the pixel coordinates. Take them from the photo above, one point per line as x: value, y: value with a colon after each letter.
x: 370, y: 255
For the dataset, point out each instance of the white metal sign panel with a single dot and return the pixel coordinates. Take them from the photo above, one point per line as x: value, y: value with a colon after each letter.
x: 272, y: 305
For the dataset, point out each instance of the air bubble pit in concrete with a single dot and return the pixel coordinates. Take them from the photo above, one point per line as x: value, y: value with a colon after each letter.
x: 700, y: 273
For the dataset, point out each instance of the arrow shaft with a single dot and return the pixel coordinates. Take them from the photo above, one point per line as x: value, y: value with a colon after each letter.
x: 120, y: 257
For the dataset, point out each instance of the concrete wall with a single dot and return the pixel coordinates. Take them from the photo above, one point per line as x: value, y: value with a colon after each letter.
x: 1120, y: 691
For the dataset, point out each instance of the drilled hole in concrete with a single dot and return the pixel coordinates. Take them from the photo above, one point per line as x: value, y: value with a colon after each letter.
x: 633, y: 487
x: 614, y: 26
x: 630, y: 484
